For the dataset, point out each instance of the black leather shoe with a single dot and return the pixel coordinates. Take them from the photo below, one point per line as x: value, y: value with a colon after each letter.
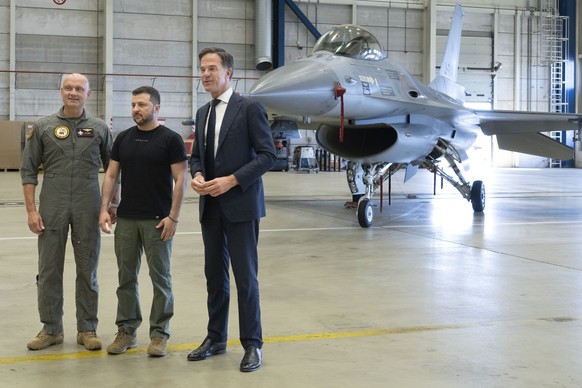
x: 252, y: 359
x: 208, y: 349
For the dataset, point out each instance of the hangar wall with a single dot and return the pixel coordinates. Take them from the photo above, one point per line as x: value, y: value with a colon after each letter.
x: 122, y: 44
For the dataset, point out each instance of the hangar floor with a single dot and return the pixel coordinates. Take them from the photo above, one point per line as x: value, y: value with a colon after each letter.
x: 431, y: 296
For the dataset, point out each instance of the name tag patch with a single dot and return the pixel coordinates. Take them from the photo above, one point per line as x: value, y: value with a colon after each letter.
x: 85, y: 132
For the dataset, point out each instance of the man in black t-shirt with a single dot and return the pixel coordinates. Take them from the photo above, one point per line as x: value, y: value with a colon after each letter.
x: 151, y: 160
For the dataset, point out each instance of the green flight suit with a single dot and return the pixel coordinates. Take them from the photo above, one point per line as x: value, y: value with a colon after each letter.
x: 71, y: 152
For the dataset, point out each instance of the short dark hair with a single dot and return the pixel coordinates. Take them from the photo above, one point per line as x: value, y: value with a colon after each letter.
x: 226, y: 58
x: 153, y: 92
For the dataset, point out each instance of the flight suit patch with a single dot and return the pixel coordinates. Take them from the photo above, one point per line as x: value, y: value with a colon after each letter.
x: 62, y: 132
x: 30, y: 131
x: 85, y: 132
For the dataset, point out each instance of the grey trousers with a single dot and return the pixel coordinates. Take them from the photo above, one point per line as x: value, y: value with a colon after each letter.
x: 132, y: 238
x: 81, y: 216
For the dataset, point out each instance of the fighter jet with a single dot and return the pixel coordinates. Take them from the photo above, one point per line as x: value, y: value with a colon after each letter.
x: 376, y: 115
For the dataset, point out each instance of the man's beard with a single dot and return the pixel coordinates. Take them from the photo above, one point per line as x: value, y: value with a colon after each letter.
x: 143, y: 119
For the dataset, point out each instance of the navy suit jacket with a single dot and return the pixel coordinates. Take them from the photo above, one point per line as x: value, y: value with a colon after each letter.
x: 245, y: 149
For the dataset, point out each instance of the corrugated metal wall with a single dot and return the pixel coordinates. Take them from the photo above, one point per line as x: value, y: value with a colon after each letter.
x: 156, y: 43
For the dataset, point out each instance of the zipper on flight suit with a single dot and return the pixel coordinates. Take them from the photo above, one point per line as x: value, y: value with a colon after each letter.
x: 74, y: 125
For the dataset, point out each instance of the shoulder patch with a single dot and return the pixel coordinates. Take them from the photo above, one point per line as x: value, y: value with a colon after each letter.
x: 30, y: 128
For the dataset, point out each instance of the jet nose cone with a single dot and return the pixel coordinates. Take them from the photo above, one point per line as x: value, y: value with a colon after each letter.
x: 302, y: 88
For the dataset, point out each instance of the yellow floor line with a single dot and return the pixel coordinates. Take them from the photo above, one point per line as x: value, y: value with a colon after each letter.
x: 189, y: 346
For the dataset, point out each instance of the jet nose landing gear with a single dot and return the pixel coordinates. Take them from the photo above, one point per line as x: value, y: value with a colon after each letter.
x: 365, y: 212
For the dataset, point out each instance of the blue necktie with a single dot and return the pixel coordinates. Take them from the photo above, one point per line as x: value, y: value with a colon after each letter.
x: 209, y: 157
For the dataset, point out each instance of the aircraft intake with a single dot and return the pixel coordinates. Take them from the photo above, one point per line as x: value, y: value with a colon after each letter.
x: 378, y: 142
x: 359, y: 142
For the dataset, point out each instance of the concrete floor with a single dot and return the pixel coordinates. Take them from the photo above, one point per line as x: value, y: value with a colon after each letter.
x: 431, y: 296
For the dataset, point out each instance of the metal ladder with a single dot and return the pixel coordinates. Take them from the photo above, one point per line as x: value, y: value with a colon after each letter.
x: 554, y: 53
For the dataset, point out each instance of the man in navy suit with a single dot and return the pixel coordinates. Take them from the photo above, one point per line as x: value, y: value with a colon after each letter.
x: 227, y: 162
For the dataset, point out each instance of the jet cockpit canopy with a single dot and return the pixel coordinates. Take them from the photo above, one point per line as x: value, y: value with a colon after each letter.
x: 351, y: 41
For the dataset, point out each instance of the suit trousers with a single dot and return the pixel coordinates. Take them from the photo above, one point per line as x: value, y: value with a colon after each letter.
x: 234, y: 242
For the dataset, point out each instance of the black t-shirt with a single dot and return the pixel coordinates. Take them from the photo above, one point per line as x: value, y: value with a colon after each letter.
x: 145, y: 159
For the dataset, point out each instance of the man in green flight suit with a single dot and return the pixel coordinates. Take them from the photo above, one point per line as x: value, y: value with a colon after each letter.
x: 71, y: 147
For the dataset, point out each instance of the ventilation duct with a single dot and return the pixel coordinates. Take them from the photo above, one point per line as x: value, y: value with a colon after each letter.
x: 263, y: 34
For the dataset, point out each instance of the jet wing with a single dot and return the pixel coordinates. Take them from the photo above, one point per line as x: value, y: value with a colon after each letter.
x: 520, y: 131
x: 535, y: 144
x: 496, y: 122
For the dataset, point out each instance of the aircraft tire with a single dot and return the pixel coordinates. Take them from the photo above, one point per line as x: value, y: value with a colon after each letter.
x: 478, y: 196
x: 365, y: 213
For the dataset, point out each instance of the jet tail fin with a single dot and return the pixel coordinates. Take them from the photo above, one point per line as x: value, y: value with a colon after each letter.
x: 446, y: 81
x: 450, y: 61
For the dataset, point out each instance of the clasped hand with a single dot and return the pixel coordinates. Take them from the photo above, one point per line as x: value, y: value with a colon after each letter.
x: 213, y: 187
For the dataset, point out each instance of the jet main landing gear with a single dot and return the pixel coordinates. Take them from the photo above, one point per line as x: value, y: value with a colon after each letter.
x: 474, y: 193
x: 364, y: 179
